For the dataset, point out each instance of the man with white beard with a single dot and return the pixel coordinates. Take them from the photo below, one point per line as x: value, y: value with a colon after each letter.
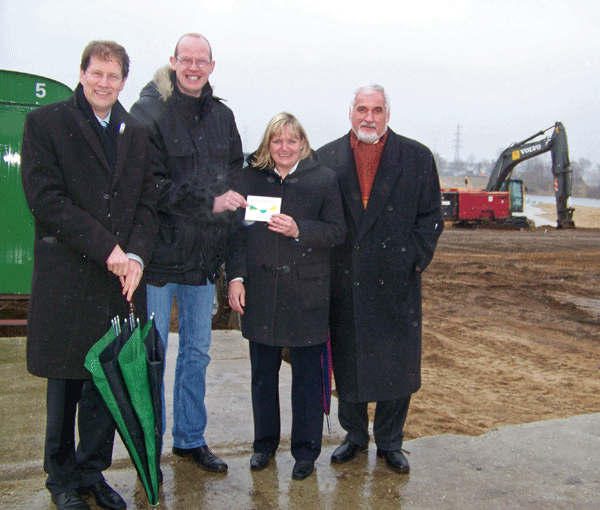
x: 392, y: 207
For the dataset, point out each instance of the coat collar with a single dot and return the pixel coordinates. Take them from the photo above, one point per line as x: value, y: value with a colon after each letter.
x: 303, y: 165
x: 123, y: 137
x: 388, y: 172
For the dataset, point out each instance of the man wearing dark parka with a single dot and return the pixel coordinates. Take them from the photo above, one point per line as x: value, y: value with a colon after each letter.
x: 392, y: 207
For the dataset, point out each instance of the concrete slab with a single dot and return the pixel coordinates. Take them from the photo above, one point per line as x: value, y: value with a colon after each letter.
x: 544, y: 465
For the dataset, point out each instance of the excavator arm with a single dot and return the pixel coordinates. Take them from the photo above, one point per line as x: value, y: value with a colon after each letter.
x: 563, y: 177
x: 561, y: 167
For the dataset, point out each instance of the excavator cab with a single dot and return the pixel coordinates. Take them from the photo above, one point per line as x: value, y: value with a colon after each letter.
x: 516, y: 194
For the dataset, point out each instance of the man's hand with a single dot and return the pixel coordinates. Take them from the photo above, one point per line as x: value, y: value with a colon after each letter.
x: 118, y: 262
x: 237, y: 296
x: 131, y: 281
x: 229, y: 201
x: 284, y: 224
x: 128, y: 270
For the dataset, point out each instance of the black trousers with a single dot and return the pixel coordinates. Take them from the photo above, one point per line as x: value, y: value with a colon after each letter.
x: 307, y: 399
x: 388, y: 424
x: 69, y: 467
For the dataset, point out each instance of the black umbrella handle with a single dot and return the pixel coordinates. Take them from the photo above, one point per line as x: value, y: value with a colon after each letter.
x: 131, y: 310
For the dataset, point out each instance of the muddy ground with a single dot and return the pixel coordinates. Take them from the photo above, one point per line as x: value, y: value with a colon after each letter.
x: 511, y: 328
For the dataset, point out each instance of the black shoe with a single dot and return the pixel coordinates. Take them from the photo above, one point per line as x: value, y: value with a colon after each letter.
x: 105, y: 495
x: 69, y: 500
x: 260, y: 460
x: 204, y: 457
x: 346, y: 451
x: 302, y: 469
x: 395, y: 459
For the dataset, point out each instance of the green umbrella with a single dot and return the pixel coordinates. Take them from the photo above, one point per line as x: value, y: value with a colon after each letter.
x: 119, y: 373
x: 133, y: 364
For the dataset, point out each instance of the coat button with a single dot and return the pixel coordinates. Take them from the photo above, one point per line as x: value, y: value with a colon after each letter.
x: 357, y: 247
x: 383, y: 245
x: 356, y: 284
x: 403, y: 249
x: 286, y: 269
x: 390, y: 208
x: 381, y: 282
x: 106, y: 196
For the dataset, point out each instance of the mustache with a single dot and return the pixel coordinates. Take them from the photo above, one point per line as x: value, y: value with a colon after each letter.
x: 367, y: 124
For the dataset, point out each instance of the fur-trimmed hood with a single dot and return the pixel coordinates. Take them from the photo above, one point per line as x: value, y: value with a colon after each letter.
x: 164, y: 82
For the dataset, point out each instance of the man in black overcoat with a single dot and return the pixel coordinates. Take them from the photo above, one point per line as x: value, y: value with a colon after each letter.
x: 392, y: 206
x: 88, y: 181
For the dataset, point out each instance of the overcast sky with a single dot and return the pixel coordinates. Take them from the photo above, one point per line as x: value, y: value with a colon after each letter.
x: 501, y: 69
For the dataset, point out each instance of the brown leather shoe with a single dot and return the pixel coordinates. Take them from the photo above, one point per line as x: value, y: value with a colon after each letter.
x: 204, y: 457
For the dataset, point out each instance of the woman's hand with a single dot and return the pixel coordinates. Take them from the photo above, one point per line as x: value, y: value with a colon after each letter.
x: 283, y: 224
x: 237, y: 296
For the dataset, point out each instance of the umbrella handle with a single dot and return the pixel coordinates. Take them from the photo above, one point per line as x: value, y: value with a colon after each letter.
x: 131, y: 310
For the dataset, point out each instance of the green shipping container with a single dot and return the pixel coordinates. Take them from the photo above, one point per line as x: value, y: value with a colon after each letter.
x: 19, y: 94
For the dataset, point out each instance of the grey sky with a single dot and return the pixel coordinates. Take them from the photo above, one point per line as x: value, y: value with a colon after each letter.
x: 501, y: 69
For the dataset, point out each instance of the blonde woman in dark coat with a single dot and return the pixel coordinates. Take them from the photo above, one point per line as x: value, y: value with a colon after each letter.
x: 279, y: 272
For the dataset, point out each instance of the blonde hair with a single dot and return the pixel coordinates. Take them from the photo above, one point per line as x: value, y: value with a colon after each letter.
x: 276, y: 126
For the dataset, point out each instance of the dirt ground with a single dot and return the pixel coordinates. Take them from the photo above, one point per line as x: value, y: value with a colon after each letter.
x: 511, y: 328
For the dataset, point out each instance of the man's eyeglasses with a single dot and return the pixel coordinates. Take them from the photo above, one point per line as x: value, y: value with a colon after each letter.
x: 97, y: 76
x: 187, y: 62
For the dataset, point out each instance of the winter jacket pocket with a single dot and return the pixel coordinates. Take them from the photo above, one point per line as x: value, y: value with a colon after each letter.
x: 173, y: 250
x: 314, y: 285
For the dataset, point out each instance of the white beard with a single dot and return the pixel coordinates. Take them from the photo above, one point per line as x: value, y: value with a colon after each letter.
x: 368, y: 137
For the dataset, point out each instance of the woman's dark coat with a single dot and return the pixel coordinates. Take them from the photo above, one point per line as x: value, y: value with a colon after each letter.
x: 376, y: 274
x: 287, y: 281
x: 82, y: 210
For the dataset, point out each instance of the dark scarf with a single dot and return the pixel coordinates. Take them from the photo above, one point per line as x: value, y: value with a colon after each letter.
x: 108, y: 136
x: 191, y: 109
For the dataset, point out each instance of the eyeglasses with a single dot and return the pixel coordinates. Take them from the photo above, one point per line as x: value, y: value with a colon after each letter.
x: 97, y: 76
x: 187, y: 62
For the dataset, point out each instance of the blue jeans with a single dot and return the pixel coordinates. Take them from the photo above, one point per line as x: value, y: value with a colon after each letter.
x: 195, y: 323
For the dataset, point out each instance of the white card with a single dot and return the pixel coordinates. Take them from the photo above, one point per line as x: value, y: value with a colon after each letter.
x: 261, y: 208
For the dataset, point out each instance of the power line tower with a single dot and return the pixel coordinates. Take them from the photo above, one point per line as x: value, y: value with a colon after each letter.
x: 457, y: 165
x: 457, y: 145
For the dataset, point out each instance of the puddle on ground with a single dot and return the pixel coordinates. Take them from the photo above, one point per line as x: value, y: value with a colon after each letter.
x: 589, y: 305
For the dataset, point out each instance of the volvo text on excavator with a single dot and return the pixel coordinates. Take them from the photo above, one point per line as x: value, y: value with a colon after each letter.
x: 503, y: 195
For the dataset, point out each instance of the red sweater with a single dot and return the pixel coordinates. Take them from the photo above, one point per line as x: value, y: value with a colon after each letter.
x: 367, y: 157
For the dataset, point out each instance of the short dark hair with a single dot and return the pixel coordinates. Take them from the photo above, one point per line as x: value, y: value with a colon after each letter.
x: 195, y: 36
x: 106, y: 50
